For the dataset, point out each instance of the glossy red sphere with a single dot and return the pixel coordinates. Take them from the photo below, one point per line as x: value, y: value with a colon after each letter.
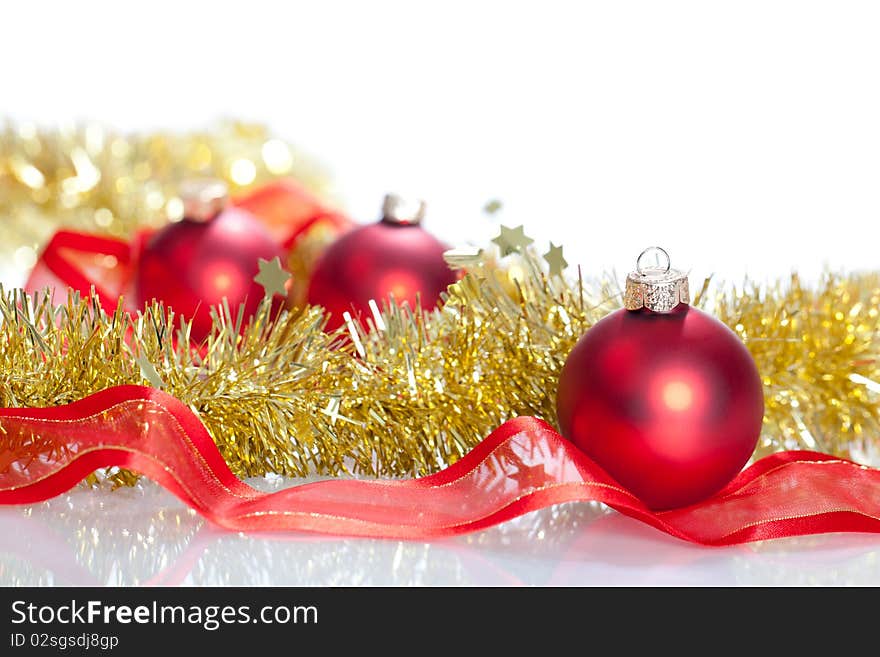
x: 192, y: 265
x: 670, y: 405
x: 375, y: 261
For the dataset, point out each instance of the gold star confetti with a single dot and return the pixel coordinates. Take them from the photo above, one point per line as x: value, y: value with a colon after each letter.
x: 556, y: 260
x: 272, y: 277
x: 492, y: 206
x: 512, y: 240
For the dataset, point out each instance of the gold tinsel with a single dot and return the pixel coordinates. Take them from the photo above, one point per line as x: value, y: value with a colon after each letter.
x: 817, y: 349
x: 420, y: 389
x: 92, y: 179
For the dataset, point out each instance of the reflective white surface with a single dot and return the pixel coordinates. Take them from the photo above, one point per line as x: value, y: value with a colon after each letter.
x: 144, y: 536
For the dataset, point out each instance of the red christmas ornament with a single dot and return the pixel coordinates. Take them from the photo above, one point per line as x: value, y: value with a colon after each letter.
x: 394, y: 256
x: 211, y: 254
x: 663, y: 396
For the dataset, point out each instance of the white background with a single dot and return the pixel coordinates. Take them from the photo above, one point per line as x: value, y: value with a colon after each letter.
x: 743, y: 136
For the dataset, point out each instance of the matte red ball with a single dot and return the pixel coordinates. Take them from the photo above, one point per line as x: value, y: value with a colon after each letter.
x: 670, y: 405
x: 192, y: 265
x: 375, y: 261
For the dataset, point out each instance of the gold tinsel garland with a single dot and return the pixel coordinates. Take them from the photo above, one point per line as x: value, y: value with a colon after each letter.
x: 420, y: 389
x: 93, y: 179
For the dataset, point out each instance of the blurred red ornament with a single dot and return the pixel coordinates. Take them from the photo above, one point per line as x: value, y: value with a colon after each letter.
x: 211, y: 254
x: 663, y: 396
x: 394, y: 256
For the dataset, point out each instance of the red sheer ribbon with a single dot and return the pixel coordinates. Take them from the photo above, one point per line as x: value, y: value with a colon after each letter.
x: 522, y: 466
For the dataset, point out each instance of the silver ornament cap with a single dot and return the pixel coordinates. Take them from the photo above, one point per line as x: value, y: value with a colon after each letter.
x: 655, y: 285
x: 402, y: 211
x: 203, y: 198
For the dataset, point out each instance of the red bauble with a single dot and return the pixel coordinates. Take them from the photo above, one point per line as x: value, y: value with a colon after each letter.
x: 392, y: 257
x: 194, y: 264
x: 670, y: 404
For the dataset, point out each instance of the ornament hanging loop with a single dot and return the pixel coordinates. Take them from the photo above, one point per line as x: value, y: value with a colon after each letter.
x: 401, y: 211
x: 203, y: 198
x: 658, y: 253
x: 658, y: 288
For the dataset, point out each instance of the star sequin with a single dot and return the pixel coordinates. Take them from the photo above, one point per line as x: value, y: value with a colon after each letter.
x: 272, y: 277
x: 556, y: 260
x: 512, y: 240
